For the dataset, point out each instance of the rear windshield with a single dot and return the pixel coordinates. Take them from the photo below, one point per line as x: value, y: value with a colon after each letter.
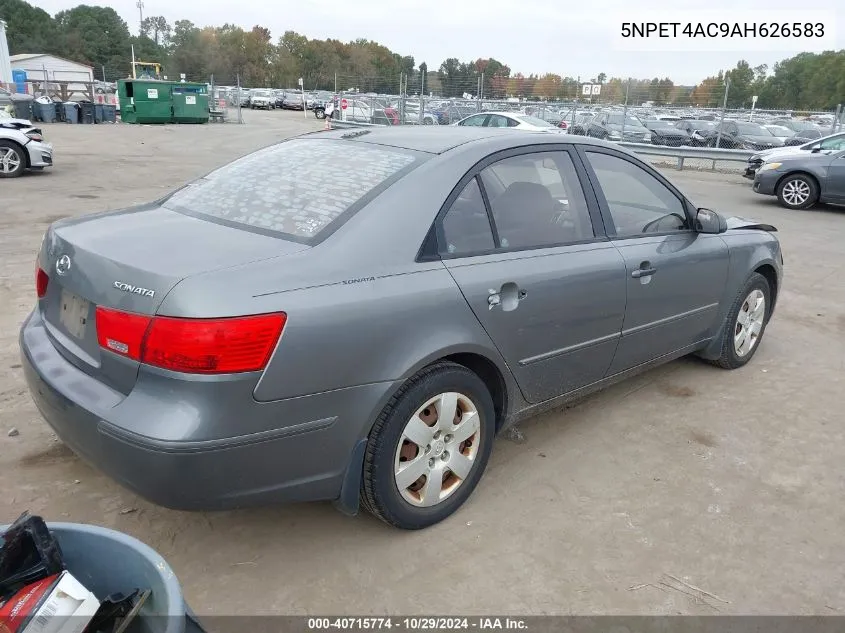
x: 296, y: 188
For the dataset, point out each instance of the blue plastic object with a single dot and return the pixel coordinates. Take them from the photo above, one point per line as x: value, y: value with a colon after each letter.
x: 109, y: 562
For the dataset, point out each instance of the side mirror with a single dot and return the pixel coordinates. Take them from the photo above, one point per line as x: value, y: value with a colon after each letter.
x: 815, y: 150
x: 707, y: 221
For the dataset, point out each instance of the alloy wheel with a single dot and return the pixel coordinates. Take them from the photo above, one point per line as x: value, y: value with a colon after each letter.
x: 10, y: 160
x: 796, y: 192
x: 749, y: 323
x: 437, y: 449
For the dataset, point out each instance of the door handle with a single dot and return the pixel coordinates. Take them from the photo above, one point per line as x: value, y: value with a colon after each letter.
x: 508, y: 296
x: 643, y: 272
x: 493, y: 299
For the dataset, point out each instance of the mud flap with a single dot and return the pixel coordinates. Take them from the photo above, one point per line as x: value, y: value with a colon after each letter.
x: 350, y: 490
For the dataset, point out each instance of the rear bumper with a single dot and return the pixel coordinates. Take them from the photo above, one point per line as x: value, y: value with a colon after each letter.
x: 301, y: 456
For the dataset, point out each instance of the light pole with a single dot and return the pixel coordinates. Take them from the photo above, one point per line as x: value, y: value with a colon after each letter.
x: 140, y: 5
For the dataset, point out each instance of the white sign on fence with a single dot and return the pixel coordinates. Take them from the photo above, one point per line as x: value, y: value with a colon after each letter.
x: 152, y: 93
x: 596, y: 89
x: 586, y: 90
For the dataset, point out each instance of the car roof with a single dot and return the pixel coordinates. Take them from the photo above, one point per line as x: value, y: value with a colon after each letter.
x: 441, y: 139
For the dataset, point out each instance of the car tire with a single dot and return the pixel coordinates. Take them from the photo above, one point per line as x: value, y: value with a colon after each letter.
x: 13, y: 159
x: 745, y: 323
x: 320, y: 113
x: 413, y: 411
x: 798, y: 191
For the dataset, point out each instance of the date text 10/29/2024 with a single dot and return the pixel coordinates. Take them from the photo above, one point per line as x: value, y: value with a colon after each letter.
x: 418, y: 623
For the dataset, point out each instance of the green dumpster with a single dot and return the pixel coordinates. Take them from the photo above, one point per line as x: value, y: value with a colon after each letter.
x: 190, y: 103
x: 145, y: 101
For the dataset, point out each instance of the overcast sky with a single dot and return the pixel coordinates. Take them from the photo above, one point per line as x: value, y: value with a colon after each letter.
x: 531, y: 36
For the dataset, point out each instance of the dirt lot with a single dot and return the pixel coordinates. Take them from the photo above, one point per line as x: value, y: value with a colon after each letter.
x: 730, y: 481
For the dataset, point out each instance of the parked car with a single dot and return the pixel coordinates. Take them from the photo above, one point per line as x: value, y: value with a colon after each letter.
x: 664, y: 132
x: 292, y: 101
x: 803, y: 136
x: 615, y: 126
x: 513, y: 120
x: 802, y: 180
x: 832, y: 143
x: 743, y: 135
x: 699, y: 130
x: 262, y: 99
x: 203, y: 376
x: 581, y: 123
x: 278, y: 98
x: 780, y: 131
x: 22, y: 147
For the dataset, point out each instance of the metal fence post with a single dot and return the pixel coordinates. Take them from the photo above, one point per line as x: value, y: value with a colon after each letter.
x: 722, y: 118
x: 238, y: 80
x: 625, y: 110
x: 836, y: 118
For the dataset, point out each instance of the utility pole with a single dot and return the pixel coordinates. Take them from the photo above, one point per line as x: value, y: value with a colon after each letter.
x: 140, y: 5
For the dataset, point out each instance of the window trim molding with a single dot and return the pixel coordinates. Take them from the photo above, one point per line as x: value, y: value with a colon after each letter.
x: 610, y: 225
x: 570, y: 149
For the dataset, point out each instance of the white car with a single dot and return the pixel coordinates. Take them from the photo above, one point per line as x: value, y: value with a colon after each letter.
x: 262, y: 99
x: 514, y: 120
x: 832, y: 143
x: 22, y: 147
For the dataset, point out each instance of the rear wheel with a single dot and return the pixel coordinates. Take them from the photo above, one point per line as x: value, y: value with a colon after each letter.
x: 429, y: 447
x: 12, y: 160
x: 798, y: 191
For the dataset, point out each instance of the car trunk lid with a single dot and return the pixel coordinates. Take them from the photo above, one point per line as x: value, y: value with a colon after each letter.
x: 129, y: 261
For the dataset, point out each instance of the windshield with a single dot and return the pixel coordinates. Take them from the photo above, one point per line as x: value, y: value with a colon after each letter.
x: 532, y: 120
x: 703, y: 125
x: 779, y: 130
x: 283, y: 189
x: 616, y: 119
x: 262, y: 93
x: 752, y: 129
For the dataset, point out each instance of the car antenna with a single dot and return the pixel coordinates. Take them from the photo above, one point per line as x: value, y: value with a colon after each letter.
x: 355, y: 134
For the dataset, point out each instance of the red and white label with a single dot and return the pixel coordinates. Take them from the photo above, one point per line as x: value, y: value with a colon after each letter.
x: 344, y: 104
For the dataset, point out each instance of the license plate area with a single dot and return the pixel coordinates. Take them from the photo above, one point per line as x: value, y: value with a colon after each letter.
x: 73, y: 314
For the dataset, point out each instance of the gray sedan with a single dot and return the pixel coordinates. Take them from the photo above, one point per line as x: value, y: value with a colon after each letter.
x: 799, y: 181
x: 270, y: 334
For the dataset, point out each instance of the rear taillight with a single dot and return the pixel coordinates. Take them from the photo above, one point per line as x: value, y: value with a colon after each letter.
x: 41, y: 281
x: 195, y: 346
x: 122, y: 332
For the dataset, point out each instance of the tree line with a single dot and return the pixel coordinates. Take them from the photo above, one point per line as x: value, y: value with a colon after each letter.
x: 98, y: 36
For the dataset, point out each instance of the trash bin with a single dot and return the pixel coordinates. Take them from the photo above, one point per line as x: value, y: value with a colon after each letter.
x: 190, y: 104
x: 23, y: 107
x: 45, y: 110
x: 109, y: 562
x: 60, y: 111
x: 86, y: 112
x: 109, y: 113
x: 98, y: 113
x: 71, y: 111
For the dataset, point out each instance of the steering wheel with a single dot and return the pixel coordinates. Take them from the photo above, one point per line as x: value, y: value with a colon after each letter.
x: 648, y: 225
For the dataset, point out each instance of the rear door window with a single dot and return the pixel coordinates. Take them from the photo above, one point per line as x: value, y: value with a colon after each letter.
x: 300, y: 189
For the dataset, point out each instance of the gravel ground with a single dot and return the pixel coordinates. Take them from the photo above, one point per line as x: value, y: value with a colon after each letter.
x: 730, y: 481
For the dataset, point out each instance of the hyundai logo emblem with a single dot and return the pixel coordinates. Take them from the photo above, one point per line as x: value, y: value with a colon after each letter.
x: 63, y: 265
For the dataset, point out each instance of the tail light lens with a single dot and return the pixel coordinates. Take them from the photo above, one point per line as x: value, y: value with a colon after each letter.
x: 195, y: 346
x: 41, y: 281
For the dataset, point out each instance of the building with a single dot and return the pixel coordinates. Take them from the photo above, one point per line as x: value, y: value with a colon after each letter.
x: 5, y: 66
x: 40, y: 66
